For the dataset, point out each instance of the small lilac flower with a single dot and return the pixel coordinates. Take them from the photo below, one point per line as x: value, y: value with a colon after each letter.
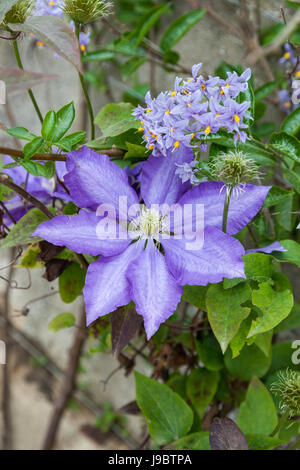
x: 186, y: 172
x: 285, y: 101
x: 195, y: 109
x: 149, y: 265
x: 48, y: 7
x: 288, y: 56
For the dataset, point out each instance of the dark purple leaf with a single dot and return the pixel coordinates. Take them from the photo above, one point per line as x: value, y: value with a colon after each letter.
x: 125, y: 323
x: 226, y: 435
x: 55, y: 268
x: 16, y: 79
x: 55, y: 33
x: 48, y: 251
x: 130, y: 409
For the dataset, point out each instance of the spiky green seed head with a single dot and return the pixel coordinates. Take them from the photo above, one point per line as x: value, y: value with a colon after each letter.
x: 287, y: 387
x: 19, y: 13
x: 86, y: 11
x: 234, y: 168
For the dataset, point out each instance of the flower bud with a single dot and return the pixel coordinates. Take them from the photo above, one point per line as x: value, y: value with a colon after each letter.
x: 287, y: 387
x: 85, y: 11
x: 19, y: 13
x: 235, y: 169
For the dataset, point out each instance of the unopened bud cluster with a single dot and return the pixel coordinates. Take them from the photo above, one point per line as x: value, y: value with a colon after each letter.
x: 235, y: 169
x: 19, y: 13
x: 287, y: 386
x: 85, y: 11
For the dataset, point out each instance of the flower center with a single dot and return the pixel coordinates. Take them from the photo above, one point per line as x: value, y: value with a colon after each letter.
x: 148, y: 224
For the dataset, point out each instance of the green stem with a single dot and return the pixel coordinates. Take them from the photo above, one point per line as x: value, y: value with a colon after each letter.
x: 31, y: 95
x: 86, y: 93
x: 281, y: 422
x: 226, y: 209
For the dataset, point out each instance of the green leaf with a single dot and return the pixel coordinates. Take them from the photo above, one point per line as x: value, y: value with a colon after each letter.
x: 265, y: 90
x: 136, y: 152
x: 258, y: 266
x: 270, y: 34
x: 293, y: 177
x: 201, y: 388
x: 64, y: 120
x: 225, y: 312
x: 209, y: 352
x: 64, y: 320
x: 276, y: 195
x: 146, y: 22
x: 177, y: 383
x: 5, y: 193
x: 262, y: 442
x: 168, y: 416
x: 131, y: 65
x: 263, y: 129
x: 48, y: 124
x: 292, y: 253
x: 5, y: 6
x: 20, y: 233
x: 286, y: 144
x: 282, y: 357
x: 71, y: 282
x: 257, y: 414
x: 38, y: 169
x: 264, y: 342
x: 291, y: 124
x: 21, y: 133
x: 71, y: 141
x: 292, y: 321
x: 196, y: 441
x: 275, y: 304
x: 116, y: 118
x: 33, y: 147
x: 98, y: 56
x: 239, y: 340
x: 251, y: 361
x: 179, y: 28
x: 195, y: 295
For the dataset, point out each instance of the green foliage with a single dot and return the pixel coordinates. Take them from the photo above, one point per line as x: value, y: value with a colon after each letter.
x: 168, y: 416
x: 71, y: 282
x: 62, y: 321
x: 201, y: 388
x: 257, y: 414
x: 114, y: 119
x: 179, y: 28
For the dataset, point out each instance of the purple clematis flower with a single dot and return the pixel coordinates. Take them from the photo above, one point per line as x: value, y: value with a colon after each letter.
x: 148, y: 261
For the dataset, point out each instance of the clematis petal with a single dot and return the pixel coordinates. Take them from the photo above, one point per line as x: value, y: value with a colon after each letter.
x: 93, y: 180
x: 84, y: 233
x: 159, y: 182
x: 107, y: 286
x: 267, y: 249
x: 221, y: 256
x: 153, y: 289
x: 241, y: 209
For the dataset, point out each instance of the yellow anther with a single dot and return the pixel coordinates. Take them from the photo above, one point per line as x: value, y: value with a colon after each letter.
x: 40, y: 43
x: 218, y: 115
x: 142, y: 123
x: 190, y: 79
x: 298, y: 73
x: 173, y: 93
x: 202, y: 87
x: 51, y: 3
x: 82, y: 47
x: 146, y: 137
x: 148, y: 110
x: 287, y: 104
x: 140, y: 129
x: 287, y: 55
x: 177, y: 143
x: 227, y: 84
x: 222, y: 92
x: 151, y: 147
x: 168, y: 111
x: 236, y: 118
x: 207, y: 130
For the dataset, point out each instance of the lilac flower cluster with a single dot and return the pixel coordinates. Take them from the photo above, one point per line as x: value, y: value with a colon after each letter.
x: 195, y: 109
x: 290, y: 61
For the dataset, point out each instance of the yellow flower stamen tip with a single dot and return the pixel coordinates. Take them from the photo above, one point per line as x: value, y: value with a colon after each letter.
x: 148, y: 110
x: 168, y: 111
x: 236, y: 118
x: 207, y: 130
x: 82, y: 47
x: 140, y: 129
x: 287, y: 55
x: 176, y: 145
x: 287, y: 104
x: 151, y: 147
x: 173, y: 93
